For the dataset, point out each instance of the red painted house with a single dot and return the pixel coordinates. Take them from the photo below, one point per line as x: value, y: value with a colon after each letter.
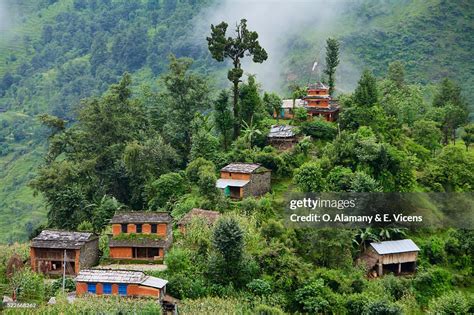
x: 140, y: 235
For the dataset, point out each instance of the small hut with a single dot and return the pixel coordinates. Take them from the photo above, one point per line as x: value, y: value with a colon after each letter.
x: 282, y: 137
x: 51, y: 248
x: 392, y: 256
x: 240, y: 180
x: 207, y: 215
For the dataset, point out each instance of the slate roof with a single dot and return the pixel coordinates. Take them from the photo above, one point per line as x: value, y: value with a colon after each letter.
x: 318, y: 86
x: 208, y: 215
x: 281, y: 131
x: 139, y: 242
x: 223, y: 183
x: 119, y: 276
x: 244, y: 168
x: 141, y: 217
x: 395, y: 247
x: 61, y: 239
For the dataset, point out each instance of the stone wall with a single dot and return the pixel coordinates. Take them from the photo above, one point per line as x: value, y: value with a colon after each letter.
x: 259, y: 184
x: 89, y: 254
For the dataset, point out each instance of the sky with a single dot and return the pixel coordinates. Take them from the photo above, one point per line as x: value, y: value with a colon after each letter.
x: 276, y: 22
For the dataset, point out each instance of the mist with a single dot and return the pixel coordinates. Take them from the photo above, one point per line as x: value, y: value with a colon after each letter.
x: 4, y: 18
x: 278, y: 23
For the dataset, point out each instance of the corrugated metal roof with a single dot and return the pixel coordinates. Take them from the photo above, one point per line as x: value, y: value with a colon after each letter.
x: 281, y: 131
x: 223, y: 183
x: 141, y: 217
x: 119, y: 276
x: 289, y: 103
x: 110, y: 276
x: 154, y: 282
x: 61, y: 239
x: 393, y: 247
x: 245, y: 168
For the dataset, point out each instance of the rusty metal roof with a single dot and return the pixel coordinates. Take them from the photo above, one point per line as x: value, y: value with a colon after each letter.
x: 281, y: 131
x: 119, y: 276
x: 394, y: 247
x: 245, y: 168
x: 61, y: 239
x: 141, y: 217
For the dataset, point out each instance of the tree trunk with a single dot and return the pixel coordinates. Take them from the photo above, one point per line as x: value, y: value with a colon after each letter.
x: 454, y: 136
x: 237, y: 121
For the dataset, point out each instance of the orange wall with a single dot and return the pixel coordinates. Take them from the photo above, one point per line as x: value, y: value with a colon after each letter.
x: 322, y: 103
x: 161, y: 229
x: 314, y: 92
x: 131, y: 228
x: 116, y: 229
x: 138, y: 290
x: 77, y: 266
x: 33, y: 259
x: 81, y: 288
x: 99, y: 289
x: 228, y: 175
x: 120, y: 252
x: 146, y: 228
x: 115, y: 288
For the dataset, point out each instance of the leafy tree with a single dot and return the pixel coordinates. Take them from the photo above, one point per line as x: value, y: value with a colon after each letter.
x: 245, y: 43
x: 340, y: 179
x: 362, y: 182
x: 427, y: 133
x: 165, y: 189
x: 193, y: 168
x: 332, y: 61
x: 249, y: 133
x: 250, y: 102
x: 365, y: 93
x: 185, y: 94
x: 468, y: 136
x: 273, y: 104
x: 300, y: 115
x: 228, y: 239
x: 454, y: 108
x: 319, y: 129
x: 383, y: 308
x: 309, y: 177
x: 396, y: 73
x: 449, y: 303
x: 314, y: 297
x: 223, y: 118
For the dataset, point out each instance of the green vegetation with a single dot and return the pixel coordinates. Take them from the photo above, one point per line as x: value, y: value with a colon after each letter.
x: 134, y: 142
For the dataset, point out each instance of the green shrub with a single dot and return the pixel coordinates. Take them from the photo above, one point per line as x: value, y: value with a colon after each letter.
x: 29, y: 286
x: 57, y: 285
x: 319, y: 129
x: 434, y: 250
x: 383, y: 308
x: 259, y: 287
x: 449, y: 303
x: 263, y: 309
x: 431, y: 283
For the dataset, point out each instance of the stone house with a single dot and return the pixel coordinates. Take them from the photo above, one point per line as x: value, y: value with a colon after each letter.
x: 140, y: 235
x: 392, y: 256
x: 50, y: 248
x: 210, y: 217
x: 282, y: 137
x: 119, y: 282
x: 240, y: 180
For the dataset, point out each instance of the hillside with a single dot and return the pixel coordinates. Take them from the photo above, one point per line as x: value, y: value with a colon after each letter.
x: 56, y: 52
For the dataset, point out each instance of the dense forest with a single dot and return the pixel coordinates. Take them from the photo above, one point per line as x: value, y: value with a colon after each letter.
x: 113, y: 105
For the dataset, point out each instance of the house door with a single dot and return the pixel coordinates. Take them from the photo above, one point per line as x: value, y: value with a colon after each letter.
x: 227, y: 191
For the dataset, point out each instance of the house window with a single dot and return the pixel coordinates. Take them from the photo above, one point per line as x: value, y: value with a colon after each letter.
x: 122, y: 290
x: 124, y: 228
x: 91, y: 288
x: 107, y: 288
x: 154, y: 228
x: 139, y: 228
x: 152, y: 252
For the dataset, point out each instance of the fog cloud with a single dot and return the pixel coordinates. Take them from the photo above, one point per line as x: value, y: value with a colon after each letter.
x: 4, y: 17
x: 277, y: 23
